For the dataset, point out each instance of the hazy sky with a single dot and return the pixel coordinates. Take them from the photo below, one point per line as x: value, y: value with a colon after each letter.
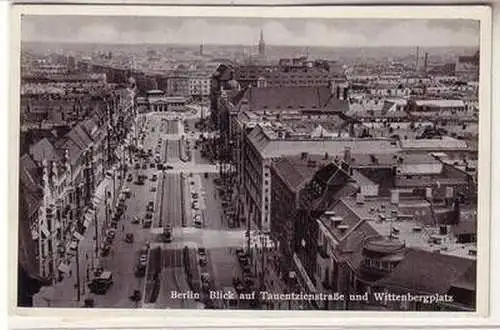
x: 244, y: 31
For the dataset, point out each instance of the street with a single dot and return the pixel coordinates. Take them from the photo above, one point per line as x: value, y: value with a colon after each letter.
x: 180, y: 194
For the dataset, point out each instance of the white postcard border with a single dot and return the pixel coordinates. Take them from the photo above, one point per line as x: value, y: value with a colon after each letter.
x: 115, y: 317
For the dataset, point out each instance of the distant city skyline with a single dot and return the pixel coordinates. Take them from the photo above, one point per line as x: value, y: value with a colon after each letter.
x: 246, y: 31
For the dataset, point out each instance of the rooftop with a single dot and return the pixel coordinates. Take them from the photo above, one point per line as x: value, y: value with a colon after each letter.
x: 294, y: 171
x: 405, y: 223
x: 428, y: 272
x: 446, y: 143
x: 441, y: 103
x: 300, y: 98
x: 274, y: 148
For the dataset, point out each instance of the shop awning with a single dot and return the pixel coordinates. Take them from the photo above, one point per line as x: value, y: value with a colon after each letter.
x: 63, y: 268
x: 78, y: 236
x: 34, y: 234
x: 45, y: 230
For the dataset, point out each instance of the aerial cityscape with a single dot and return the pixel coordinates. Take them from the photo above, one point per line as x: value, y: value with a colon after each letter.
x: 261, y: 164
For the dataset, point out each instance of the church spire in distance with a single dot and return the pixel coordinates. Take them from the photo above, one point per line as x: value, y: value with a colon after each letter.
x: 262, y: 44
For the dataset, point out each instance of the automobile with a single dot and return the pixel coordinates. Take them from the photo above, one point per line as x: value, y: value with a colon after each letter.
x: 247, y: 270
x: 159, y: 166
x: 105, y: 249
x: 206, y: 175
x: 143, y: 259
x: 144, y: 249
x: 148, y: 222
x: 243, y: 260
x: 153, y: 188
x: 144, y: 166
x: 151, y: 204
x: 194, y: 195
x: 240, y: 252
x: 136, y: 220
x: 169, y: 167
x: 140, y: 270
x: 109, y: 173
x: 101, y: 284
x: 197, y: 221
x: 111, y: 233
x: 203, y: 260
x: 152, y: 165
x: 127, y: 193
x: 167, y: 234
x: 137, y: 166
x: 154, y: 177
x: 88, y: 303
x: 202, y: 251
x: 205, y: 277
x: 129, y: 238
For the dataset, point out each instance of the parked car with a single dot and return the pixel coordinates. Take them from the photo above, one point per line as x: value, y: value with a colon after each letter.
x: 136, y: 220
x: 137, y: 166
x: 203, y: 260
x: 105, y: 250
x: 144, y: 166
x: 153, y: 188
x: 154, y: 177
x: 101, y: 284
x: 148, y: 222
x: 129, y: 238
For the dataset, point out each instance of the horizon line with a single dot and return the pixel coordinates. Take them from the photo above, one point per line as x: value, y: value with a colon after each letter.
x: 244, y: 45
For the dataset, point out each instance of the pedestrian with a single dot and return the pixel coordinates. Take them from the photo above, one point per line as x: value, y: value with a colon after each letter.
x: 123, y: 227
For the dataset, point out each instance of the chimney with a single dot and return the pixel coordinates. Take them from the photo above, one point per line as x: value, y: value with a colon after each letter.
x: 346, y: 93
x: 456, y: 212
x: 425, y: 62
x: 360, y: 198
x: 347, y: 155
x: 332, y: 87
x: 416, y: 61
x: 449, y: 196
x: 395, y: 197
x: 428, y: 194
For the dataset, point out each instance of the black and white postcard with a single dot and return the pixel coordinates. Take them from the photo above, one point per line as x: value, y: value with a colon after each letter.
x: 275, y: 159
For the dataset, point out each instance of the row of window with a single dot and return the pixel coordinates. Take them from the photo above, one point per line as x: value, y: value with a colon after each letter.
x: 380, y: 265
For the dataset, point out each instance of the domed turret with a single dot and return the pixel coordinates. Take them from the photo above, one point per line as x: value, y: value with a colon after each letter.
x: 233, y: 85
x: 380, y: 256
